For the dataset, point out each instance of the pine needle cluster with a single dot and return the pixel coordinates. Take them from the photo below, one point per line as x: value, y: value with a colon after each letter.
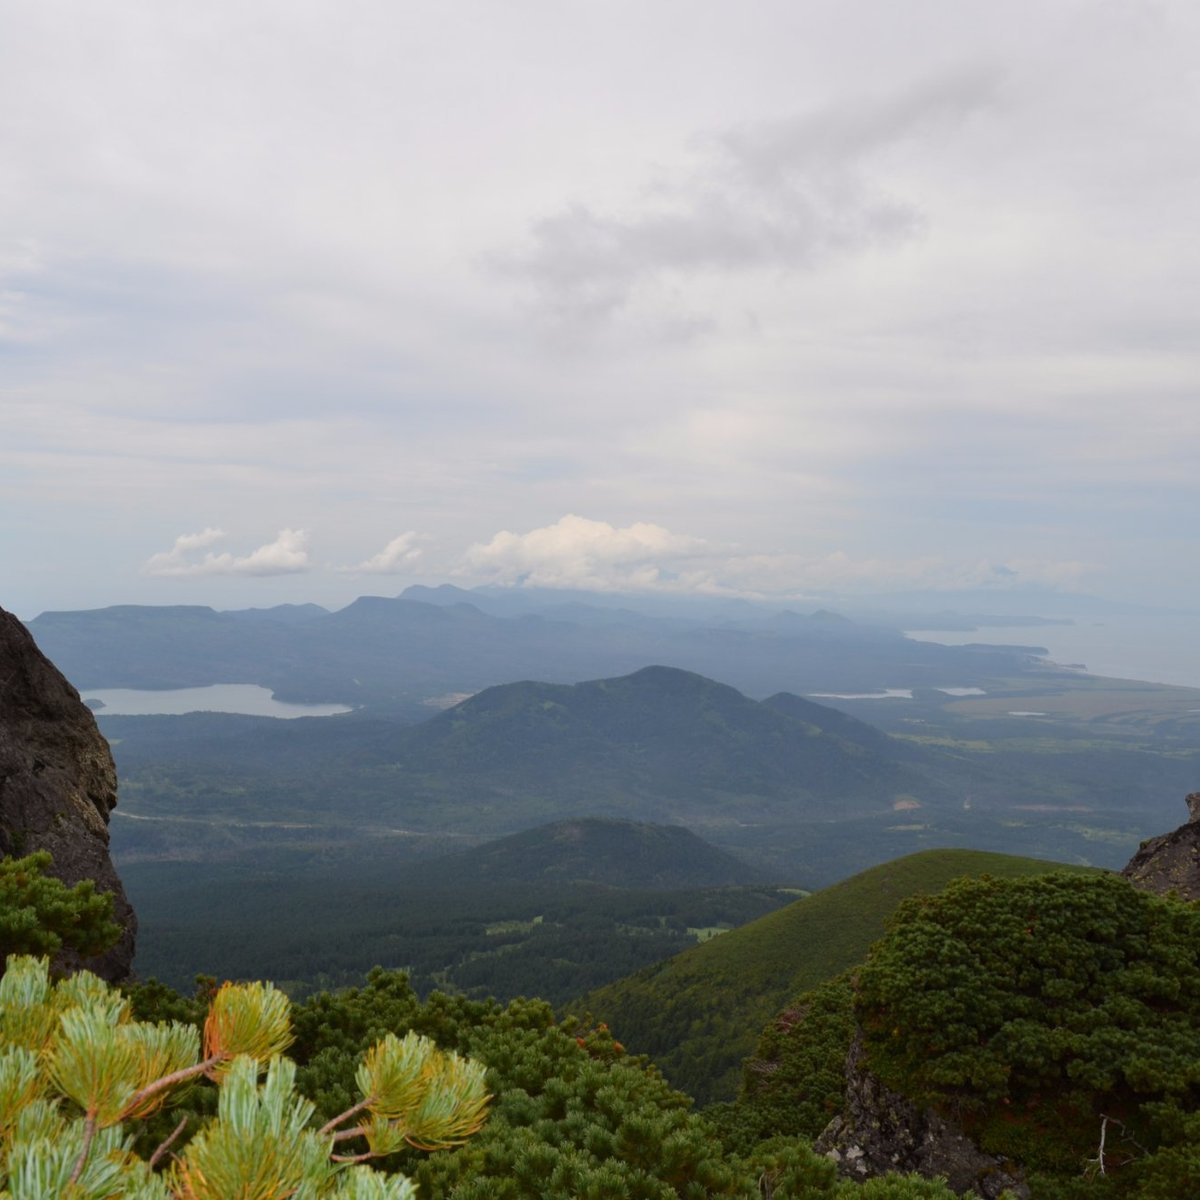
x: 76, y: 1070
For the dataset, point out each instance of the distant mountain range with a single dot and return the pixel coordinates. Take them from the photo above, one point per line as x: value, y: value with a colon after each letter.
x: 752, y: 764
x: 401, y: 652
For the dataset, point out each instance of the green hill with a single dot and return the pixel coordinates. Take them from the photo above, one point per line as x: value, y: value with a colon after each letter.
x: 699, y: 1014
x: 617, y: 854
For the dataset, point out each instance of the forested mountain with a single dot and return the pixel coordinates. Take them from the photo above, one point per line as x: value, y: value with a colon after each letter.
x: 669, y: 740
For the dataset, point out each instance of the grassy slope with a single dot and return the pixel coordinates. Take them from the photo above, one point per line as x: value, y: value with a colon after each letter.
x: 699, y: 1014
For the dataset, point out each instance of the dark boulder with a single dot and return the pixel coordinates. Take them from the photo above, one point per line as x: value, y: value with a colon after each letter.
x: 1171, y: 862
x: 58, y: 784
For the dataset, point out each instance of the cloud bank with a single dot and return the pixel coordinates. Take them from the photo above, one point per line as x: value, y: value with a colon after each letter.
x: 286, y: 555
x: 398, y: 556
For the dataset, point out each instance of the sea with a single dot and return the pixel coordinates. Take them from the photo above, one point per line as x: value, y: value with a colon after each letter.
x: 1158, y: 648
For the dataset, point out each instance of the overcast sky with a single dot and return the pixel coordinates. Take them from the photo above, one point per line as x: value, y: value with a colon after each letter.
x: 301, y: 300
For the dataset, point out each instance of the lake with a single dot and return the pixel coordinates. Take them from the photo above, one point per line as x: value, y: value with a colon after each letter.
x: 246, y: 698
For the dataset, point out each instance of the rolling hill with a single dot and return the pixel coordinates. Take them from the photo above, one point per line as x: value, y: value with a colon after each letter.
x: 608, y: 853
x: 699, y: 1014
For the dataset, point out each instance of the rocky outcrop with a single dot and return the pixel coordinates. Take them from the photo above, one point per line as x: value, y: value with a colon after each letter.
x: 57, y: 782
x: 880, y: 1131
x: 1170, y: 863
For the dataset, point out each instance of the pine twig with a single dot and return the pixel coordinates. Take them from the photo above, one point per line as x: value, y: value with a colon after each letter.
x: 345, y: 1134
x: 331, y: 1125
x: 89, y: 1132
x: 160, y: 1085
x: 166, y: 1144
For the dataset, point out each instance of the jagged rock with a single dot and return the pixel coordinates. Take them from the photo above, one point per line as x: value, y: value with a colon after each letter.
x: 880, y: 1131
x: 57, y: 783
x: 1170, y: 863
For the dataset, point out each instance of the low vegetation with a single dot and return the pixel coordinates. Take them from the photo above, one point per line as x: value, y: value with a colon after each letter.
x: 76, y: 1070
x: 1058, y: 1017
x: 1055, y: 1018
x: 698, y: 1014
x: 42, y: 915
x: 374, y: 1075
x: 1053, y: 1015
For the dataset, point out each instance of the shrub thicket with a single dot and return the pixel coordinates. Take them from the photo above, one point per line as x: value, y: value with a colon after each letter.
x: 41, y: 915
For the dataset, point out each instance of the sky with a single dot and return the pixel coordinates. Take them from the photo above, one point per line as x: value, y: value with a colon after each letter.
x: 303, y: 300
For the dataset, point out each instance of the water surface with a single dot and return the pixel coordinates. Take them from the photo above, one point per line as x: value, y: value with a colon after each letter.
x: 246, y: 698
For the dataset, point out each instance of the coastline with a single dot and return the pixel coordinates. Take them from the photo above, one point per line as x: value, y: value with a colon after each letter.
x: 1163, y: 649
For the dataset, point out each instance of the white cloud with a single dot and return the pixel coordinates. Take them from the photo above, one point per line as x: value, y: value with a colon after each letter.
x: 397, y: 556
x: 576, y: 552
x: 286, y: 555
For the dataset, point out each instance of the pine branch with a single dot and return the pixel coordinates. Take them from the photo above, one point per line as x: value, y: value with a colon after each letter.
x: 160, y: 1085
x: 345, y: 1134
x: 331, y: 1125
x: 166, y: 1144
x: 89, y: 1132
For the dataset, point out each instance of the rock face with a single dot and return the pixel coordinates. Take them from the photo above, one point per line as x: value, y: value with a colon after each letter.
x: 57, y: 782
x: 1170, y: 862
x: 880, y: 1131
